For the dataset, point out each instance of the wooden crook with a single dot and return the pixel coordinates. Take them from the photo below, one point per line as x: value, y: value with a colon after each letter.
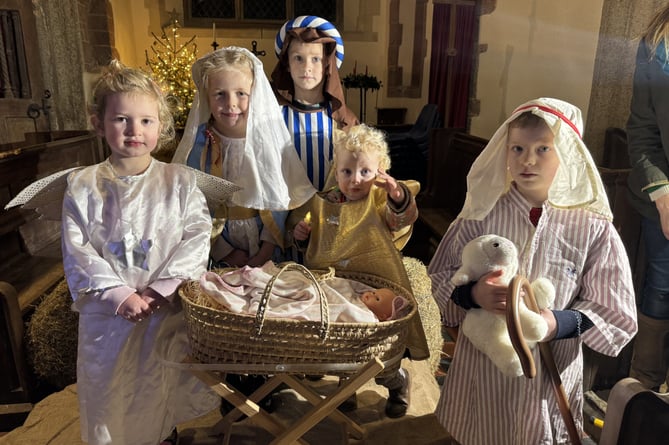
x: 517, y: 284
x: 514, y: 327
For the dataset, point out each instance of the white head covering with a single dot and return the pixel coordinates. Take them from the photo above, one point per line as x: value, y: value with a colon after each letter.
x: 577, y: 183
x: 272, y: 177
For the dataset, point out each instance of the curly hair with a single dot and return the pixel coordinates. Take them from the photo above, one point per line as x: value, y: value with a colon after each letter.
x: 118, y: 78
x: 363, y: 139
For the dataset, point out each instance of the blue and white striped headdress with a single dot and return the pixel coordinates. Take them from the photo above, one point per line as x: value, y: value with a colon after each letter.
x: 311, y: 21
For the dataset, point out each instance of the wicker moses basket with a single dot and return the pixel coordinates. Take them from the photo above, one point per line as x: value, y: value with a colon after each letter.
x: 258, y: 345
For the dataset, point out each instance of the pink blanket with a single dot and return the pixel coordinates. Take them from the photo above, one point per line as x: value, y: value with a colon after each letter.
x: 293, y: 295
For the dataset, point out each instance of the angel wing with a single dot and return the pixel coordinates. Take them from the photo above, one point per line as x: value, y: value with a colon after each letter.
x: 216, y: 190
x: 44, y: 195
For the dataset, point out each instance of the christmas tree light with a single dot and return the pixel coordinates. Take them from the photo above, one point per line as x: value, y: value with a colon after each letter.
x: 170, y: 64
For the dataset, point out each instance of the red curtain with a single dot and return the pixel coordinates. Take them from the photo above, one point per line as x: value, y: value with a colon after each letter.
x: 451, y: 62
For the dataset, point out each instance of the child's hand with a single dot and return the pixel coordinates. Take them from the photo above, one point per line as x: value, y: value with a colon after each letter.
x: 153, y: 298
x: 662, y: 204
x: 237, y: 258
x: 390, y: 185
x: 264, y: 254
x: 490, y: 294
x: 549, y: 317
x: 301, y: 231
x: 134, y: 308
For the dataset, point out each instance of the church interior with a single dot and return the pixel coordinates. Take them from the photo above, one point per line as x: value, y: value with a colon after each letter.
x: 440, y: 76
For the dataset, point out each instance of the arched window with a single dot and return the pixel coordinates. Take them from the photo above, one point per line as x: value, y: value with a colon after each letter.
x: 239, y: 13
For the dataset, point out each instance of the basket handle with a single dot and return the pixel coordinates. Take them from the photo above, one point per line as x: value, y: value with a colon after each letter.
x: 262, y: 306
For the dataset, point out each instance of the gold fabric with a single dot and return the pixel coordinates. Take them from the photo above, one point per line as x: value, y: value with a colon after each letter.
x: 354, y: 236
x: 401, y: 237
x: 237, y: 213
x: 270, y: 224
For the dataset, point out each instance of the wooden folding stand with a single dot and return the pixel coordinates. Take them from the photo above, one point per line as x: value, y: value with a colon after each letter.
x: 214, y: 375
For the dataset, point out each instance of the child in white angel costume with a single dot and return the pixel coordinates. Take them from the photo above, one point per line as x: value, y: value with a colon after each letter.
x: 133, y: 229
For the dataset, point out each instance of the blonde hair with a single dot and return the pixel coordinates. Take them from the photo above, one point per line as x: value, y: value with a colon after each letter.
x: 362, y: 139
x: 223, y: 60
x: 527, y: 119
x: 658, y: 31
x: 117, y: 78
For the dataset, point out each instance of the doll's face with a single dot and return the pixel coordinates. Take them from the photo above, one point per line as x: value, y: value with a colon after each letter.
x: 380, y: 302
x: 355, y: 173
x: 228, y: 93
x: 306, y: 64
x: 532, y: 161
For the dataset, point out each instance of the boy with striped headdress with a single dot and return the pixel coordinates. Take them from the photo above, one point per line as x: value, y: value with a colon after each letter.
x: 306, y: 83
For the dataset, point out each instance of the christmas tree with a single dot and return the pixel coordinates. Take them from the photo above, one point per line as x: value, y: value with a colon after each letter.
x: 170, y: 64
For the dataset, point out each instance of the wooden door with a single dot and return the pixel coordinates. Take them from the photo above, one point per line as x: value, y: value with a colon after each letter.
x: 21, y: 80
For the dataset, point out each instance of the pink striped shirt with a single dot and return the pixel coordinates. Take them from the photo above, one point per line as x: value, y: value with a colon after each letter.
x: 582, y: 254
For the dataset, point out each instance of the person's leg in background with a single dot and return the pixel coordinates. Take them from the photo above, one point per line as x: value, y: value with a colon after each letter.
x: 650, y: 359
x: 398, y: 384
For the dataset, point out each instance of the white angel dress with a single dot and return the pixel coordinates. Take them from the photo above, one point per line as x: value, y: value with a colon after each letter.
x: 123, y: 234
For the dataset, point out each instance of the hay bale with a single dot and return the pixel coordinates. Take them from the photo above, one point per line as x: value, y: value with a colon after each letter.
x: 421, y: 285
x: 51, y: 338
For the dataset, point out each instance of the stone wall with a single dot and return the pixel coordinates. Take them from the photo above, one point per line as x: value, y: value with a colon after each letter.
x: 75, y: 39
x: 622, y: 23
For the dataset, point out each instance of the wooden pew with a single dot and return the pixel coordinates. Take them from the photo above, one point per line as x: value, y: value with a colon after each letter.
x: 30, y: 260
x: 451, y: 154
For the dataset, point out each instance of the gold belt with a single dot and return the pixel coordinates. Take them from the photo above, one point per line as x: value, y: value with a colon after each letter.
x: 236, y: 213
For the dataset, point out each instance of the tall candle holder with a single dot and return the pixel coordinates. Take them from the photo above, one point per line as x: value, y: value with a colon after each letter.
x: 363, y: 82
x: 213, y: 36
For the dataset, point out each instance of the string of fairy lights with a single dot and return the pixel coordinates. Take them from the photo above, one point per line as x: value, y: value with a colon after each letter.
x: 170, y: 64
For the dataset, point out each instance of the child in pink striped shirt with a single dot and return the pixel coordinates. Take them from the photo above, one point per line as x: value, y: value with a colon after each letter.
x: 536, y: 184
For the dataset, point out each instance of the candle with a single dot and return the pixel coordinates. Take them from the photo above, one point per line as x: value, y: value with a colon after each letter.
x: 365, y: 70
x: 355, y: 67
x: 213, y: 31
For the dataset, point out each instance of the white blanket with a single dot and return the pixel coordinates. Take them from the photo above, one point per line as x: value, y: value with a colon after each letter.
x: 293, y: 295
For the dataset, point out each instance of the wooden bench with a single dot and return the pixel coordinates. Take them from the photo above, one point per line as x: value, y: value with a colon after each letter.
x: 451, y: 154
x: 30, y: 258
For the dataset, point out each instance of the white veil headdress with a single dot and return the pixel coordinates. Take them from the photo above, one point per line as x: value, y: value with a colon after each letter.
x: 577, y: 183
x: 272, y: 177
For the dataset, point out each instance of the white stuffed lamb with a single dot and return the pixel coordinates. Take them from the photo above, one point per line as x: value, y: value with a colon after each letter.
x: 488, y: 331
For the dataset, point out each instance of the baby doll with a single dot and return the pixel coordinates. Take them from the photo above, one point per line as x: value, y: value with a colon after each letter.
x: 384, y: 303
x: 292, y: 295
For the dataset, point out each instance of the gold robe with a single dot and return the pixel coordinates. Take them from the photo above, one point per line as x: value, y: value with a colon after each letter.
x: 354, y: 236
